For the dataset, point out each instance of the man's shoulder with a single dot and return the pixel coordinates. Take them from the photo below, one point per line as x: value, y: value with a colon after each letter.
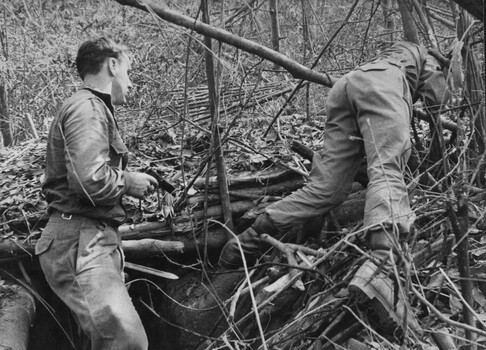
x: 80, y: 96
x: 79, y: 105
x: 81, y: 100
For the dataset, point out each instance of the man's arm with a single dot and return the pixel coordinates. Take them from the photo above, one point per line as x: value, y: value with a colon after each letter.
x: 433, y: 88
x: 86, y: 137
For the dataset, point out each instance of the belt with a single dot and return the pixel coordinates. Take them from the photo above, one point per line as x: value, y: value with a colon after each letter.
x: 59, y: 214
x: 74, y: 217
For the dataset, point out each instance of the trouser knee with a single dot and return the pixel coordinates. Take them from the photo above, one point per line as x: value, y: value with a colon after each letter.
x: 137, y: 341
x: 131, y: 336
x: 251, y: 245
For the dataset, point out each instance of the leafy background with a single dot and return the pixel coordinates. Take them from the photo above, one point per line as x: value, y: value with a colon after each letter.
x: 39, y: 40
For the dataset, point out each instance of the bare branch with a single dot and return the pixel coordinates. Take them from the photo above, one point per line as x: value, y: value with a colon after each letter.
x: 297, y: 70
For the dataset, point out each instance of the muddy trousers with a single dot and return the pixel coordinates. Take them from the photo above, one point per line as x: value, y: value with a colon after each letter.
x: 369, y: 112
x: 82, y: 262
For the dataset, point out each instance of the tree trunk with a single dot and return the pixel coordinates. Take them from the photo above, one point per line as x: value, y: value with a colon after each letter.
x: 214, y: 108
x: 426, y: 24
x: 387, y: 6
x: 409, y: 27
x: 474, y: 84
x: 275, y: 27
x: 5, y: 124
x: 306, y: 46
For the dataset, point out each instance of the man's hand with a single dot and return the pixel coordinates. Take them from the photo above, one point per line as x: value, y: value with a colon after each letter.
x: 139, y: 185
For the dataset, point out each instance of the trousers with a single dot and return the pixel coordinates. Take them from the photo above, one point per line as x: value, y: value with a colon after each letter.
x: 82, y: 261
x: 369, y: 112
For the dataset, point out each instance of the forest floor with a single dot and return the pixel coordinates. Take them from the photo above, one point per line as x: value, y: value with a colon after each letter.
x: 301, y: 296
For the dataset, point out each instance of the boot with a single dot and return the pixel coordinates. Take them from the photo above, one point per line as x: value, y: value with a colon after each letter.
x: 374, y: 285
x: 250, y: 242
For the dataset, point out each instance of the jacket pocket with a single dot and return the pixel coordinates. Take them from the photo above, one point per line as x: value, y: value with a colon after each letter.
x: 118, y: 145
x: 119, y: 153
x: 379, y: 65
x: 96, y: 243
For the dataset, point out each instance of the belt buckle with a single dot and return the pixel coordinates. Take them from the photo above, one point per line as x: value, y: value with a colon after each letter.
x: 68, y: 217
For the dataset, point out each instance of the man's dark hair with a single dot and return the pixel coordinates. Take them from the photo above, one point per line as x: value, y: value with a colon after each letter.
x: 92, y: 54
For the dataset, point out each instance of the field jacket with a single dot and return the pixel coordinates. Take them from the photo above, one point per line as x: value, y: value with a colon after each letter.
x: 85, y: 159
x: 424, y: 74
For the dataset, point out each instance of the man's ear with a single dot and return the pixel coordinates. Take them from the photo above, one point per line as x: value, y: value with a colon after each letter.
x: 113, y: 65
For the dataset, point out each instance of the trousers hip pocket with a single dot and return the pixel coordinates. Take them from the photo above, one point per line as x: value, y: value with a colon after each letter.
x: 96, y: 243
x: 43, y: 244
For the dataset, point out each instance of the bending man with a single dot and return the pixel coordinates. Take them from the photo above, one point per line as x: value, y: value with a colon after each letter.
x: 369, y: 111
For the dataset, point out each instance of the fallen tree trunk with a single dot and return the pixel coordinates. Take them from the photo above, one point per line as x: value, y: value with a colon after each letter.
x: 17, y: 310
x: 134, y: 249
x: 10, y: 248
x: 276, y: 190
x: 260, y: 180
x: 181, y: 223
x: 177, y: 246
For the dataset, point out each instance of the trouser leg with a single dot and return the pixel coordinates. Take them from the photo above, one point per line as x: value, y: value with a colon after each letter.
x: 83, y: 266
x: 330, y: 180
x: 333, y: 169
x: 384, y: 123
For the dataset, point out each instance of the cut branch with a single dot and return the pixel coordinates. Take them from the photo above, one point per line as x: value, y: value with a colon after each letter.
x: 297, y: 70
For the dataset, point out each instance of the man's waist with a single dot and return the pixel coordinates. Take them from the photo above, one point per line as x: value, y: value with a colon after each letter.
x: 60, y: 215
x: 70, y: 206
x: 387, y: 60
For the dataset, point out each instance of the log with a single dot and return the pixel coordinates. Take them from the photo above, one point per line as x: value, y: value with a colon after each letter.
x: 17, y: 310
x: 251, y: 181
x: 133, y: 249
x: 131, y: 231
x: 350, y: 211
x: 177, y: 246
x: 274, y: 191
x: 180, y: 223
x: 304, y: 151
x: 147, y: 246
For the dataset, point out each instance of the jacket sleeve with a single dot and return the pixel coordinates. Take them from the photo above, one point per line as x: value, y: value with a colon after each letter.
x: 87, y: 155
x: 433, y: 88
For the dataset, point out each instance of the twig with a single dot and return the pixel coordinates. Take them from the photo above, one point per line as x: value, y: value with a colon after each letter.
x: 247, y: 276
x: 236, y: 296
x: 301, y: 82
x: 459, y: 295
x: 443, y: 318
x: 369, y: 328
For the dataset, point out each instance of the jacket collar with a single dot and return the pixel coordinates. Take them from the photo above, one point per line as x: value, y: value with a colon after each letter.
x: 106, y: 98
